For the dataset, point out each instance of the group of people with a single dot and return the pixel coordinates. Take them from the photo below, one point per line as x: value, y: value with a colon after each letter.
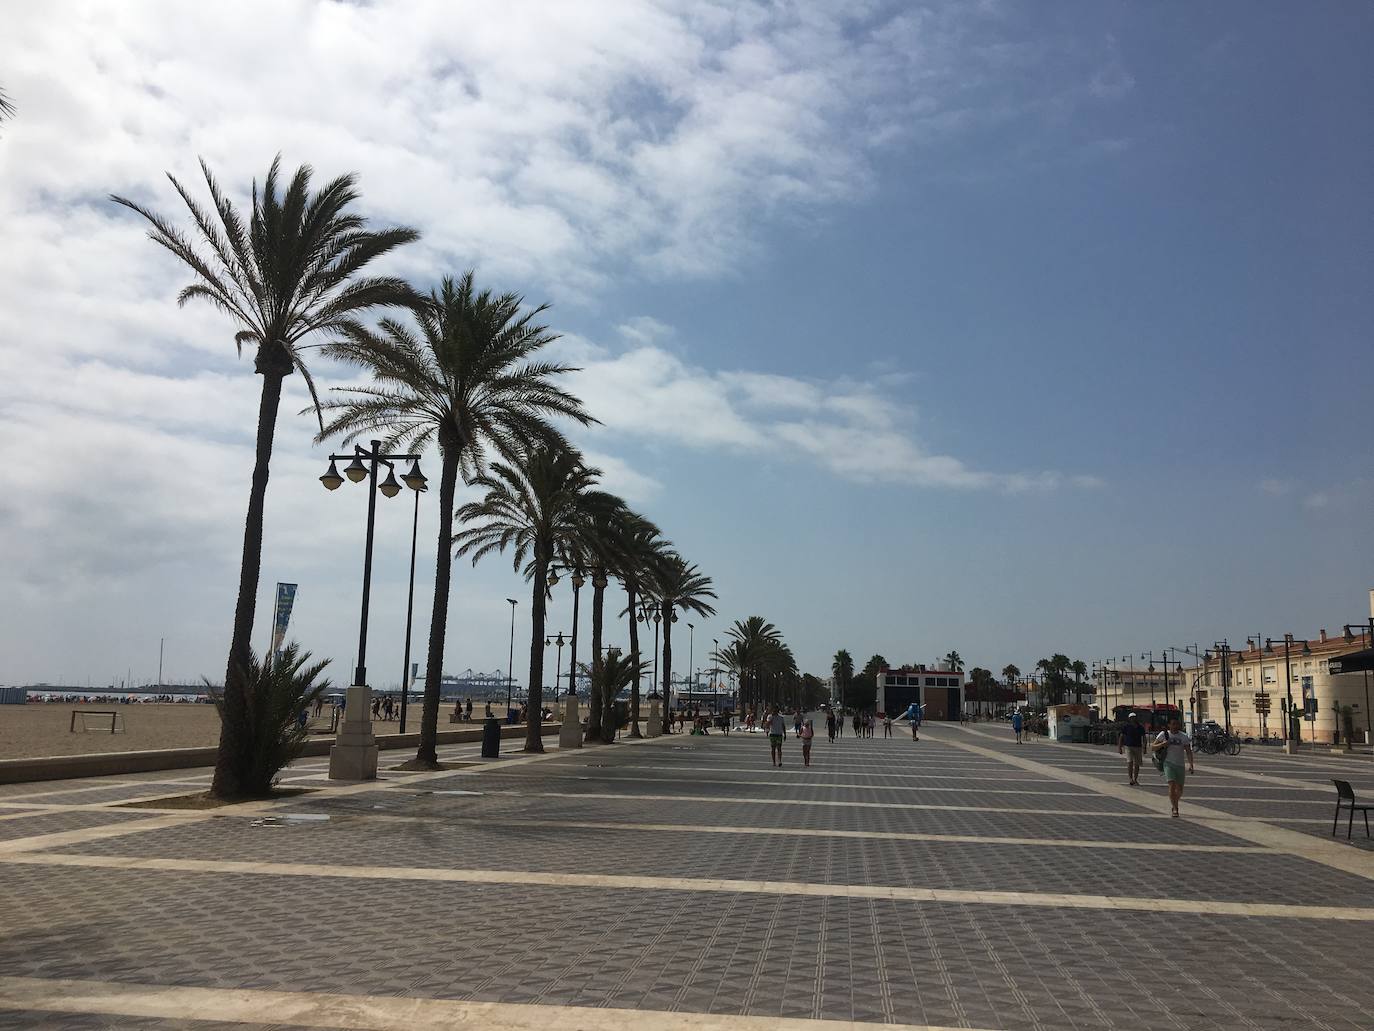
x: 1171, y: 751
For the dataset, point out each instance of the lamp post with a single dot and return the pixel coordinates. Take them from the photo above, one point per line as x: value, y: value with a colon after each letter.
x: 1292, y: 731
x: 1367, y: 642
x: 557, y: 640
x: 691, y: 657
x: 418, y: 486
x: 354, y: 753
x: 510, y: 662
x: 577, y: 581
x: 364, y: 467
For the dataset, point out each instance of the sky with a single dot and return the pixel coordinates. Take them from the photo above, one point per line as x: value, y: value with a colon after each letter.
x: 1009, y: 328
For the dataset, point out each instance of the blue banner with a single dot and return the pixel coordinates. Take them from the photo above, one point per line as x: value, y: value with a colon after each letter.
x: 286, y: 599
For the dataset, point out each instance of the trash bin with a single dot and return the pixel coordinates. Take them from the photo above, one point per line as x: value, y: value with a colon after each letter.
x: 491, y: 739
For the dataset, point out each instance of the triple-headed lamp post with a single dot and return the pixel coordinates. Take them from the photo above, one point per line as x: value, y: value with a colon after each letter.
x: 364, y: 467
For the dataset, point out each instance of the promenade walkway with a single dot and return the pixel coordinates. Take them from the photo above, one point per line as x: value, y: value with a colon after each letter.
x: 962, y: 881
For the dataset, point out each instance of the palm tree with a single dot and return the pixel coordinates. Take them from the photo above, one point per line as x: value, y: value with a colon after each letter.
x: 290, y: 273
x: 762, y: 643
x: 641, y: 549
x: 613, y: 674
x: 1010, y: 673
x: 534, y: 509
x: 955, y: 661
x: 603, y: 516
x: 678, y: 585
x: 1079, y: 668
x: 843, y: 670
x: 469, y: 381
x: 6, y: 107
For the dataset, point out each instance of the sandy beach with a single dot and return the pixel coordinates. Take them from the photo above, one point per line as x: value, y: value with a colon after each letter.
x: 44, y: 728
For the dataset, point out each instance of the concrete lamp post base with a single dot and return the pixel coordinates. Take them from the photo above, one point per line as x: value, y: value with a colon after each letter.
x: 570, y: 733
x: 354, y: 755
x: 1290, y: 747
x: 655, y: 728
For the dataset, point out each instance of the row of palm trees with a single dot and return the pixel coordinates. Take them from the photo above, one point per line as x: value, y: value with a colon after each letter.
x: 762, y: 663
x: 458, y: 368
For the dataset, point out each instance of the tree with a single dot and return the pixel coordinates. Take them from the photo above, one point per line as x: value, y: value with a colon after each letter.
x: 842, y: 668
x: 762, y: 652
x: 1010, y: 674
x: 7, y: 109
x: 955, y: 661
x: 533, y: 508
x: 289, y: 274
x: 603, y: 516
x: 468, y: 381
x: 640, y: 551
x: 1055, y: 676
x: 678, y: 585
x: 1079, y: 668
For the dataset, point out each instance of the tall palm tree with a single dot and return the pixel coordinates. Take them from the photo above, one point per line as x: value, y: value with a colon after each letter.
x: 603, y: 516
x: 955, y: 660
x: 468, y: 380
x: 678, y: 585
x: 286, y: 275
x: 842, y: 668
x: 533, y: 508
x: 1079, y: 668
x: 761, y: 640
x: 6, y: 107
x: 1010, y: 673
x: 641, y: 550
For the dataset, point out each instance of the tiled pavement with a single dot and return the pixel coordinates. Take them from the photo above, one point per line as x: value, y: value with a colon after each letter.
x: 958, y: 882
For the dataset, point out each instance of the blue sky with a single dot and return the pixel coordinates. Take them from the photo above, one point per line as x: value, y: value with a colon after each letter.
x: 1006, y: 328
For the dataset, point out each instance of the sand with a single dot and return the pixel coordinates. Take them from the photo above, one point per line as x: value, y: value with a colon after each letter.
x: 43, y: 728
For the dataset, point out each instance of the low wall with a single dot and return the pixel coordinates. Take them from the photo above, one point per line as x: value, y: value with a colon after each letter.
x: 106, y: 764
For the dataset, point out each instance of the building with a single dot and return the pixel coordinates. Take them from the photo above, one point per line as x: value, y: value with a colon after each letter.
x: 1132, y: 685
x: 1258, y: 682
x: 939, y: 690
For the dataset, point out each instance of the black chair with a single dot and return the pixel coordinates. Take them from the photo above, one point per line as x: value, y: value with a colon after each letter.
x: 1345, y: 798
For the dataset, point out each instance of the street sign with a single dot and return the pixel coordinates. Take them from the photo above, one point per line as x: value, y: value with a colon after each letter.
x: 1262, y: 703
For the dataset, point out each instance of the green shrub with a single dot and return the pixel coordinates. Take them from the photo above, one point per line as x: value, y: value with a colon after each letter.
x: 268, y: 734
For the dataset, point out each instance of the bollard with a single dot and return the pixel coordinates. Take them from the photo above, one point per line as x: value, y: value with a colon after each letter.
x: 491, y: 739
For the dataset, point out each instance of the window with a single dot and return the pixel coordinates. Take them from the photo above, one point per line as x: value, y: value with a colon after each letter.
x: 930, y: 681
x: 1270, y: 676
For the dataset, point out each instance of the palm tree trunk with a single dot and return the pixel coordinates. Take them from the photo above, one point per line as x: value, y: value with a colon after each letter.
x: 634, y: 661
x: 534, y: 705
x: 427, y: 755
x: 594, y: 701
x: 227, y: 782
x: 667, y: 661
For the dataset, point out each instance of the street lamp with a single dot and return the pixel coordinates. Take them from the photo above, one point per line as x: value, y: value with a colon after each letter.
x: 510, y: 663
x: 691, y: 658
x: 364, y: 467
x: 1368, y: 642
x: 558, y: 666
x: 577, y: 581
x: 416, y: 481
x: 1292, y: 731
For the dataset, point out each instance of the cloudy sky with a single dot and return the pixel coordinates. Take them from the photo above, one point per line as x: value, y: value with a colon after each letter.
x: 1011, y: 328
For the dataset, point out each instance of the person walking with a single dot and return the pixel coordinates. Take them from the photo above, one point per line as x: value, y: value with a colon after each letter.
x: 807, y: 733
x: 777, y: 734
x: 797, y: 722
x: 1131, y: 744
x: 887, y: 724
x: 1018, y: 724
x: 830, y: 723
x: 1174, y: 746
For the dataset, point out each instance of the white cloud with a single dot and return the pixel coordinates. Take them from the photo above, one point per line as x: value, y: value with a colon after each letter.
x: 857, y: 430
x: 1275, y: 488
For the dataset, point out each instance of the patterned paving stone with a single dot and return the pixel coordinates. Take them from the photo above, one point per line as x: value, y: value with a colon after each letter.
x: 52, y: 823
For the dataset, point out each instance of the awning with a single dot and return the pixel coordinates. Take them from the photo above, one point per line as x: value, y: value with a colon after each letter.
x: 1354, y: 662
